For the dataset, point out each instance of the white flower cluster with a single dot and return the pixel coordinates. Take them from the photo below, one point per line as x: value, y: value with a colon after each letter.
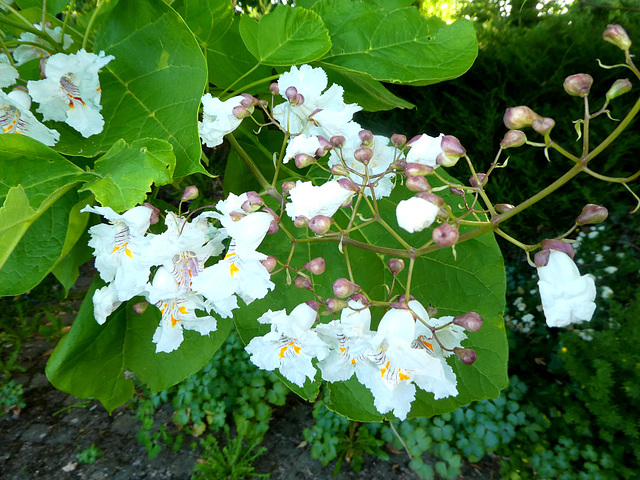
x: 68, y: 92
x: 402, y: 354
x: 126, y: 255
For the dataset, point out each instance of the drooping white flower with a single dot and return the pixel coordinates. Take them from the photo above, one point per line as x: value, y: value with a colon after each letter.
x: 15, y: 117
x: 416, y: 214
x: 71, y: 90
x: 307, y: 200
x: 290, y: 346
x: 301, y: 144
x: 425, y: 150
x: 247, y: 230
x: 26, y: 52
x: 218, y: 119
x: 8, y: 73
x: 566, y: 296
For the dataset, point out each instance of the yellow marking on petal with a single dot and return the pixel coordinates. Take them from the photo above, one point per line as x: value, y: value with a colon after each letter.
x: 128, y: 253
x: 174, y: 321
x: 384, y: 370
x: 296, y: 348
x: 231, y: 254
x: 353, y: 361
x: 118, y: 247
x: 402, y: 376
x: 183, y: 310
x: 342, y: 349
x: 233, y: 269
x: 428, y: 345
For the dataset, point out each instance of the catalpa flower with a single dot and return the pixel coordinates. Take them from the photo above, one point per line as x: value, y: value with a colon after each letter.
x: 26, y: 52
x: 307, y: 200
x: 218, y: 118
x: 290, y: 346
x: 15, y: 117
x: 425, y: 150
x: 8, y: 73
x: 71, y: 90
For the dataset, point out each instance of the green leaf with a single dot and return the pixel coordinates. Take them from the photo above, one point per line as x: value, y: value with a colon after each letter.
x: 67, y: 269
x: 153, y: 87
x: 16, y: 215
x: 53, y: 6
x: 397, y: 46
x: 92, y: 359
x: 208, y: 20
x: 125, y: 173
x: 286, y: 36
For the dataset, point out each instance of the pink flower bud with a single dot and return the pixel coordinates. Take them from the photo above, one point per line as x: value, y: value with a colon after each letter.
x: 578, y: 85
x: 396, y: 265
x: 471, y: 321
x: 559, y: 245
x: 343, y: 288
x: 359, y: 297
x: 273, y: 228
x: 452, y: 151
x: 313, y: 304
x: 437, y: 200
x: 320, y: 224
x: 338, y: 141
x: 335, y: 305
x: 618, y: 36
x: 287, y: 187
x: 248, y: 101
x: 253, y: 202
x: 302, y: 282
x: 467, y: 355
x: 398, y: 140
x: 363, y: 155
x: 291, y: 94
x: 541, y: 258
x: 190, y: 193
x: 457, y: 191
x: 155, y: 213
x: 241, y: 112
x: 592, y: 214
x: 274, y: 89
x: 432, y: 311
x: 445, y: 235
x: 140, y: 307
x: 543, y: 125
x: 417, y: 169
x: 301, y: 222
x: 339, y: 169
x: 482, y: 178
x: 619, y: 87
x: 513, y: 139
x: 516, y: 118
x: 325, y: 145
x: 269, y: 263
x: 316, y: 266
x: 417, y: 184
x: 303, y: 160
x: 348, y: 184
x: 366, y: 137
x: 263, y: 103
x: 503, y: 207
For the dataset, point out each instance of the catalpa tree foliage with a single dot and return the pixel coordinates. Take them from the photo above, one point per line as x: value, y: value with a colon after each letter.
x: 339, y: 254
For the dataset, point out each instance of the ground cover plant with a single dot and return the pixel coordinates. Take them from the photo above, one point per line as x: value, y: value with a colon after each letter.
x: 350, y: 263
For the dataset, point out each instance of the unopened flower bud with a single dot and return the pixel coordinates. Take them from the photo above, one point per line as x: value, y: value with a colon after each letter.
x: 418, y: 184
x: 315, y: 266
x: 274, y: 88
x: 349, y: 184
x: 578, y: 85
x: 263, y: 103
x: 269, y: 263
x: 313, y: 304
x: 273, y: 228
x: 437, y: 200
x: 359, y: 297
x: 467, y: 355
x: 190, y: 193
x: 301, y: 222
x: 592, y: 214
x: 325, y: 145
x: 366, y: 137
x: 396, y: 265
x: 398, y: 140
x: 619, y: 87
x: 287, y: 187
x: 343, y: 288
x: 338, y: 141
x: 339, y: 169
x: 417, y: 169
x: 291, y: 93
x: 541, y: 258
x: 445, y: 235
x: 452, y: 151
x: 559, y: 245
x: 302, y: 282
x: 432, y: 311
x: 253, y: 202
x: 241, y: 112
x: 482, y: 180
x: 618, y: 36
x: 363, y: 155
x: 470, y: 321
x: 140, y: 307
x: 335, y: 304
x: 516, y: 118
x: 303, y: 160
x: 248, y: 101
x: 320, y: 224
x: 503, y: 207
x: 513, y: 139
x: 543, y: 125
x: 155, y: 213
x: 457, y: 191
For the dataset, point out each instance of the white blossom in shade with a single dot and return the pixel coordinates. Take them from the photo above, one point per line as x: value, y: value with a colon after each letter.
x: 24, y: 53
x: 425, y: 150
x: 349, y: 341
x: 105, y: 302
x: 301, y: 144
x: 323, y: 109
x: 15, y: 117
x: 307, y: 200
x: 71, y: 90
x: 8, y: 73
x: 218, y: 119
x: 246, y: 229
x: 566, y: 296
x: 290, y: 346
x: 449, y: 336
x: 120, y: 248
x: 383, y: 156
x: 178, y: 311
x: 416, y: 214
x: 399, y: 367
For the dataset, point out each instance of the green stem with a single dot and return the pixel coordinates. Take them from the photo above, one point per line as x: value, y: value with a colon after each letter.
x: 605, y: 178
x: 248, y: 72
x: 94, y: 15
x: 253, y: 168
x: 585, y: 136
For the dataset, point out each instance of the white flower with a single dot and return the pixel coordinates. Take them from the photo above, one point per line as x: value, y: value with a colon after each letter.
x: 566, y: 296
x: 416, y: 214
x: 425, y: 150
x: 449, y: 335
x: 15, y: 117
x: 246, y: 229
x: 307, y: 200
x: 26, y: 52
x: 301, y: 144
x: 71, y: 90
x: 290, y: 346
x: 218, y: 119
x: 8, y: 73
